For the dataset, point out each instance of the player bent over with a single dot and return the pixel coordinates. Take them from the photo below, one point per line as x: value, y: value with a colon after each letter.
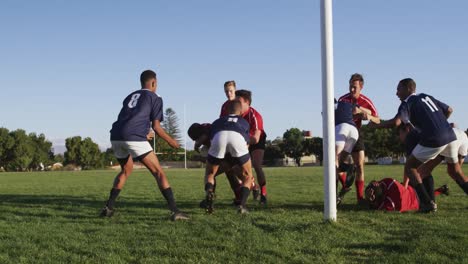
x: 128, y: 137
x: 390, y: 195
x: 346, y: 136
x: 229, y: 137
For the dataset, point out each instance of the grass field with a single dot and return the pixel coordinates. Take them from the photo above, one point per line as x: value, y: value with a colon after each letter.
x: 51, y: 217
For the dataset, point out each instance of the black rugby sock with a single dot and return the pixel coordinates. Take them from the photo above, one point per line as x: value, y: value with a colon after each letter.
x: 422, y: 193
x: 167, y: 193
x: 428, y: 183
x: 464, y: 187
x: 209, y: 187
x: 245, y: 192
x: 114, y: 193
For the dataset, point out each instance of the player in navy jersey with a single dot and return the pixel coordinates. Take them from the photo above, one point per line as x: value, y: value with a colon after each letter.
x: 229, y: 136
x: 346, y: 136
x: 365, y: 111
x: 141, y: 110
x: 429, y: 117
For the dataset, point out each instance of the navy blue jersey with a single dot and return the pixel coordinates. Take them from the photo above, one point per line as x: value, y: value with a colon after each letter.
x: 139, y: 109
x: 231, y: 123
x: 428, y: 116
x: 344, y: 113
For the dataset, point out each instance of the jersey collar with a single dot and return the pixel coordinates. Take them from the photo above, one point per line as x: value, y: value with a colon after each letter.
x: 407, y: 98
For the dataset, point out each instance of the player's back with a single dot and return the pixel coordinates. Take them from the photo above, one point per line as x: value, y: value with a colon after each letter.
x: 397, y: 197
x: 428, y: 115
x: 230, y: 123
x: 139, y: 109
x: 344, y: 113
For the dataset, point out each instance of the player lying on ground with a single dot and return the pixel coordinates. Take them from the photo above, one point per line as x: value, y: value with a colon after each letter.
x: 140, y: 109
x: 229, y: 136
x: 411, y: 137
x: 390, y: 195
x: 200, y: 133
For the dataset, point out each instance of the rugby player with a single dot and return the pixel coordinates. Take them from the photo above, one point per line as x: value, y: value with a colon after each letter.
x: 229, y: 136
x: 230, y: 91
x: 365, y: 111
x: 140, y: 109
x: 257, y: 139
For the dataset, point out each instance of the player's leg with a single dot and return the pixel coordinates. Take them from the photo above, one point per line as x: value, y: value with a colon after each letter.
x: 212, y: 165
x: 126, y: 167
x: 340, y: 140
x: 257, y: 163
x: 425, y: 170
x: 359, y: 157
x: 451, y: 153
x: 247, y: 178
x: 151, y: 162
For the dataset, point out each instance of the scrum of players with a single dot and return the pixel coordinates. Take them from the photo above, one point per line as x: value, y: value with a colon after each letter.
x: 234, y: 145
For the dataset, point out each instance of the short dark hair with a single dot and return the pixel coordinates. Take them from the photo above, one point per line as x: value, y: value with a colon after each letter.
x: 146, y: 76
x: 356, y: 77
x: 230, y: 83
x: 234, y: 106
x: 409, y: 84
x: 195, y: 131
x: 245, y: 94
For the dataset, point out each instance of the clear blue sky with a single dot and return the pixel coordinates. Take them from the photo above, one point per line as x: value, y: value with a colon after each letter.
x: 65, y: 66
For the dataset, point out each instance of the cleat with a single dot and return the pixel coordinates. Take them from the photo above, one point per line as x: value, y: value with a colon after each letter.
x: 209, y: 203
x: 263, y: 199
x: 202, y: 204
x: 242, y: 210
x: 341, y: 194
x: 428, y: 208
x: 176, y: 216
x: 106, y: 212
x: 255, y: 193
x: 444, y: 189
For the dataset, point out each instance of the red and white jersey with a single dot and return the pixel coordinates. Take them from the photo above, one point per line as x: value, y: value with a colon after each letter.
x: 224, y: 111
x: 255, y: 120
x: 397, y: 197
x: 363, y: 101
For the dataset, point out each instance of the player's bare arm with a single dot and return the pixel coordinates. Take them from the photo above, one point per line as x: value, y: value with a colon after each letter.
x: 449, y: 112
x: 394, y: 122
x: 202, y: 140
x: 162, y: 133
x: 256, y: 137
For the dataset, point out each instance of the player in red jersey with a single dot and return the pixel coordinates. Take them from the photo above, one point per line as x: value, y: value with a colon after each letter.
x: 365, y: 111
x: 230, y: 91
x: 257, y: 139
x: 390, y: 195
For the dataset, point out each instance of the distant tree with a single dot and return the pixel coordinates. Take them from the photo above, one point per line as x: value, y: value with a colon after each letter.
x: 59, y: 158
x: 109, y: 158
x: 314, y: 146
x: 6, y: 143
x: 171, y: 124
x: 42, y: 150
x: 72, y: 145
x: 20, y: 156
x: 292, y: 145
x: 381, y: 142
x: 84, y: 153
x: 273, y: 151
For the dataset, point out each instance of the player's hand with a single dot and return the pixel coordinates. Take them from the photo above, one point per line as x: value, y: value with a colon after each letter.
x: 150, y: 135
x: 174, y: 144
x: 364, y: 116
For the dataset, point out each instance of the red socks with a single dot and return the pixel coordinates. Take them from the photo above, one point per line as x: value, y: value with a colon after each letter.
x: 342, y: 178
x: 263, y: 190
x: 359, y: 190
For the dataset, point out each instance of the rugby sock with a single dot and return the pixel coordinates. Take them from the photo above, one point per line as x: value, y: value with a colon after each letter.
x: 237, y: 193
x: 244, y: 195
x: 438, y: 192
x: 464, y: 186
x: 342, y: 178
x: 359, y: 189
x: 209, y: 187
x: 428, y: 183
x: 114, y: 193
x: 263, y: 190
x: 422, y: 193
x: 167, y: 193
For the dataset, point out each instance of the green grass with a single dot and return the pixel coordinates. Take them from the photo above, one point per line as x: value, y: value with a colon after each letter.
x: 51, y: 217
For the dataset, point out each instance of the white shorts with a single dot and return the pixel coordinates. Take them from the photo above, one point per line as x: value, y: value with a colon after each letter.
x: 462, y: 141
x: 449, y: 151
x: 225, y: 142
x: 122, y: 149
x: 346, y: 136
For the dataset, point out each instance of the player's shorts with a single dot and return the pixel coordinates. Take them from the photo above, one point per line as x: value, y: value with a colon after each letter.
x: 359, y: 146
x: 462, y: 139
x: 136, y: 149
x: 228, y: 142
x: 260, y: 144
x: 449, y: 151
x: 346, y: 136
